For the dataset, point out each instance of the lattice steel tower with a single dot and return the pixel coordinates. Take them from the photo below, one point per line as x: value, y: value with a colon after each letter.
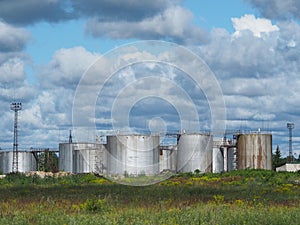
x: 16, y: 107
x: 290, y: 126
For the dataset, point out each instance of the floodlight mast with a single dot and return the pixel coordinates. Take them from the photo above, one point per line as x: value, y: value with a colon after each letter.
x: 290, y: 126
x: 16, y: 107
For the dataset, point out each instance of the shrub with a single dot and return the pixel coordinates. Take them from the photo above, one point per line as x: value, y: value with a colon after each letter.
x: 95, y: 205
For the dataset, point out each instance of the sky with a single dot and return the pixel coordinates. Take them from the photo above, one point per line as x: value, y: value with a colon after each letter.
x: 97, y: 67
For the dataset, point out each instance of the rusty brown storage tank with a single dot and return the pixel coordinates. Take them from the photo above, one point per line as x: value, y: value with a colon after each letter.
x: 254, y: 151
x: 195, y: 152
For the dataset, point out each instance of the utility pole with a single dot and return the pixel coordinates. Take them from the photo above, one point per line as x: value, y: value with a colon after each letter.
x: 16, y: 107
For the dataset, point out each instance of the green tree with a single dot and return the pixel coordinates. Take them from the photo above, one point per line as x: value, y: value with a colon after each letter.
x: 277, y: 159
x: 48, y: 162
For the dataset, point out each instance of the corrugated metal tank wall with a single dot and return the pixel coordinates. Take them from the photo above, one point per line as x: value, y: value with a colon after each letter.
x: 26, y: 162
x: 168, y: 158
x: 254, y: 151
x: 81, y: 157
x: 231, y: 159
x: 88, y: 157
x: 66, y: 157
x: 195, y: 152
x: 218, y: 160
x: 133, y: 155
x: 6, y: 159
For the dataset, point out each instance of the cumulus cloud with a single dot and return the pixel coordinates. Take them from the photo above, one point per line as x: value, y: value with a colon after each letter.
x: 277, y: 9
x: 12, y: 39
x: 114, y: 10
x: 173, y: 24
x: 232, y: 56
x: 12, y: 71
x: 47, y: 105
x: 257, y: 26
x: 66, y: 67
x: 259, y: 74
x: 133, y: 19
x: 248, y: 56
x: 32, y: 11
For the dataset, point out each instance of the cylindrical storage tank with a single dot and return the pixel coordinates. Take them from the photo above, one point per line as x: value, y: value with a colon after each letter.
x: 88, y: 157
x: 217, y: 160
x: 132, y: 155
x: 6, y: 159
x: 66, y: 157
x: 231, y: 159
x: 26, y: 162
x: 254, y: 151
x: 168, y: 158
x: 195, y: 153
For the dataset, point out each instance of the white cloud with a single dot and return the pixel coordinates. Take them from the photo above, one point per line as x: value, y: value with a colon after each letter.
x: 12, y: 39
x: 173, y: 24
x: 258, y: 26
x: 12, y: 71
x: 67, y: 67
x: 277, y: 9
x: 264, y: 116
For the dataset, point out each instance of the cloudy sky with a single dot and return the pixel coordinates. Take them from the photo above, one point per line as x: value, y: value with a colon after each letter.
x: 80, y: 65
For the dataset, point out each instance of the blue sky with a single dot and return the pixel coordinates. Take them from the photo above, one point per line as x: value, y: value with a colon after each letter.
x: 251, y: 47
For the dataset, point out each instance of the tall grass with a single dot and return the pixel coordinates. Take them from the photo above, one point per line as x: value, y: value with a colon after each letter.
x: 238, y: 197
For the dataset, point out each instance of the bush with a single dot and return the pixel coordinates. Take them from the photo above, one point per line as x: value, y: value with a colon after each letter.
x: 95, y: 205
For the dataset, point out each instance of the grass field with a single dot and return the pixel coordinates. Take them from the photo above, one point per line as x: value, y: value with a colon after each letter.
x: 238, y: 197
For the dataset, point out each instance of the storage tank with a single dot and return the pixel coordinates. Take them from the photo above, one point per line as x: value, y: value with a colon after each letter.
x: 254, y: 151
x: 26, y: 162
x: 66, y: 157
x: 81, y: 157
x: 168, y: 158
x: 133, y: 155
x: 218, y: 160
x: 231, y: 159
x: 195, y: 152
x: 88, y: 157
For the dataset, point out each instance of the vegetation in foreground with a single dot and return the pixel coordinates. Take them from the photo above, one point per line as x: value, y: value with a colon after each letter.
x: 238, y: 197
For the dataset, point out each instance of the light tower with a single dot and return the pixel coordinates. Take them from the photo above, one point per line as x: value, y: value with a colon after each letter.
x: 290, y: 126
x: 16, y: 107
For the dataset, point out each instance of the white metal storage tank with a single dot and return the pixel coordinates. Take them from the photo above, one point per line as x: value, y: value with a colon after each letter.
x: 81, y: 157
x: 88, y: 157
x: 66, y: 157
x: 254, y: 151
x: 168, y: 158
x: 133, y: 155
x: 195, y: 152
x: 26, y: 162
x: 217, y: 160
